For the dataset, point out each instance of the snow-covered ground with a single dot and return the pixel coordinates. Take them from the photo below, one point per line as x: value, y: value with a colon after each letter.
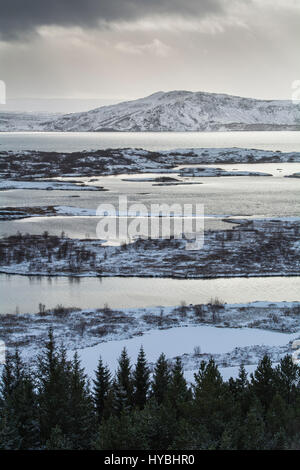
x: 230, y: 347
x: 13, y: 213
x: 212, y: 172
x: 34, y: 165
x: 15, y: 121
x: 46, y: 185
x: 256, y: 247
x: 231, y: 333
x: 170, y: 111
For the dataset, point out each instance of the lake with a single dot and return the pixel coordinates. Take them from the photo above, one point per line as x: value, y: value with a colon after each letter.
x: 238, y: 196
x: 23, y: 294
x: 229, y: 196
x: 76, y: 141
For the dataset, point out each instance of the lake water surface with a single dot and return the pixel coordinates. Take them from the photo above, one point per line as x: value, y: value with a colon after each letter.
x: 76, y: 141
x: 23, y: 294
x: 274, y: 196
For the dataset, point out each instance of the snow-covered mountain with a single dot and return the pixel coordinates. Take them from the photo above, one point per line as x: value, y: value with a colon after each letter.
x: 181, y: 111
x: 18, y: 121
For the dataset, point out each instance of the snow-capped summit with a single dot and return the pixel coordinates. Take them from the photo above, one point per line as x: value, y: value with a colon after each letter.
x: 181, y: 111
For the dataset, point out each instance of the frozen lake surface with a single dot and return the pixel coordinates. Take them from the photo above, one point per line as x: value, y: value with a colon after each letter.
x: 177, y: 341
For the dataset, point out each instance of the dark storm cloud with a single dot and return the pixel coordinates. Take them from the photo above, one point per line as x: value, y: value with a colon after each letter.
x: 18, y: 16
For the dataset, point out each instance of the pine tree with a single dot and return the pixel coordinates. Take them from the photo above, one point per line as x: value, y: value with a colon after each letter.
x: 178, y: 392
x: 209, y: 386
x: 242, y: 380
x: 57, y: 440
x: 161, y: 379
x: 102, y: 385
x: 53, y: 376
x: 141, y: 380
x: 8, y: 381
x: 81, y: 416
x: 214, y: 405
x: 25, y: 408
x: 10, y: 438
x: 253, y: 431
x: 190, y: 437
x: 277, y: 415
x: 287, y: 378
x: 18, y: 402
x: 239, y: 389
x: 228, y: 439
x: 123, y: 385
x: 158, y: 424
x: 121, y: 432
x: 263, y: 382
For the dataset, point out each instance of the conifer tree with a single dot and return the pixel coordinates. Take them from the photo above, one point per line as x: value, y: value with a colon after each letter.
x: 277, y: 416
x: 287, y: 378
x: 213, y: 405
x: 253, y: 430
x: 121, y: 432
x: 123, y: 385
x: 53, y: 376
x: 228, y: 439
x: 242, y: 380
x: 263, y: 382
x: 239, y: 389
x: 53, y: 407
x: 7, y: 380
x: 158, y: 424
x: 10, y: 438
x: 57, y: 440
x: 141, y: 380
x: 161, y: 379
x: 178, y: 392
x: 209, y: 385
x: 18, y: 402
x: 24, y: 401
x: 102, y: 385
x: 81, y: 417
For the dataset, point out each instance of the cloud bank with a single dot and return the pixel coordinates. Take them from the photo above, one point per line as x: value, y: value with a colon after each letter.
x: 18, y: 16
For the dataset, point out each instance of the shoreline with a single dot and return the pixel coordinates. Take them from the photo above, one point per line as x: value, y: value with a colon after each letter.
x: 254, y: 248
x: 78, y: 276
x: 94, y: 329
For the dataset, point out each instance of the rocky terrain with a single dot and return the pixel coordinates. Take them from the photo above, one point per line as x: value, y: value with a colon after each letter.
x: 261, y: 247
x: 36, y: 165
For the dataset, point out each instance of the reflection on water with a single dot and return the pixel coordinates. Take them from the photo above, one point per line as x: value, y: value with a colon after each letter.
x: 23, y: 294
x: 80, y: 227
x: 237, y: 196
x: 233, y: 196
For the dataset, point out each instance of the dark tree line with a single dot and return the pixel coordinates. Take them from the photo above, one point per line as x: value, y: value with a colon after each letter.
x: 34, y: 249
x: 53, y: 406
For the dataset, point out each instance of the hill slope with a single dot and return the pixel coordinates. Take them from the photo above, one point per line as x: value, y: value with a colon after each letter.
x: 182, y: 111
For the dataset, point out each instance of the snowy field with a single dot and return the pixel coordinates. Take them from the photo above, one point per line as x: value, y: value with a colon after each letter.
x: 233, y: 334
x: 230, y: 333
x: 176, y: 342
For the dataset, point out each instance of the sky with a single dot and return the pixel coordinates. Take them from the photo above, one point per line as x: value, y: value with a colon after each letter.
x: 71, y: 55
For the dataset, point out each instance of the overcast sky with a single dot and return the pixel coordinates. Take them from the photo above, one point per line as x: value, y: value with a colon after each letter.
x: 111, y: 50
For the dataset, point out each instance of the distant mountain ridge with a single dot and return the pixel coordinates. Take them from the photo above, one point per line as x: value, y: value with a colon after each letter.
x: 174, y: 111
